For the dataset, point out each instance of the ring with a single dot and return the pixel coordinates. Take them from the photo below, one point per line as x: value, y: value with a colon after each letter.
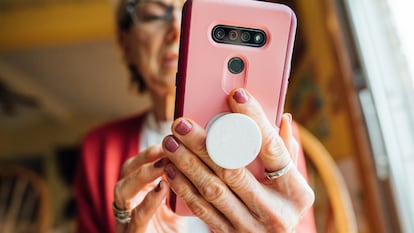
x: 280, y: 172
x: 121, y: 216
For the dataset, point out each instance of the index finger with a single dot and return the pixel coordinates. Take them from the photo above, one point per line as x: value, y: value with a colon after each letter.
x: 151, y: 154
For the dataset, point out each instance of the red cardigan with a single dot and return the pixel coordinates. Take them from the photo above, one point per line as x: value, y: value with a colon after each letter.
x: 104, y: 150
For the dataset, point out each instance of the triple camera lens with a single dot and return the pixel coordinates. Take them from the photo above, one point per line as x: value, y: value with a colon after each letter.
x: 239, y: 35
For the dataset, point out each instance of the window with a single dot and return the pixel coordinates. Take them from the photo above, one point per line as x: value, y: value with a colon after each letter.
x: 384, y: 37
x: 402, y: 15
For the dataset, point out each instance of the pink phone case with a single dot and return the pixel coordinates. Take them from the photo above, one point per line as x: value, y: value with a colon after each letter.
x: 203, y: 79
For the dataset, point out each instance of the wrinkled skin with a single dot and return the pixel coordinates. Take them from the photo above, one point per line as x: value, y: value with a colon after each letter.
x: 233, y: 200
x: 227, y: 200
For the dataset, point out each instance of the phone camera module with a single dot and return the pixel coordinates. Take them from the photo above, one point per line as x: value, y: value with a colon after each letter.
x: 219, y: 33
x: 235, y: 65
x: 233, y: 35
x: 241, y: 36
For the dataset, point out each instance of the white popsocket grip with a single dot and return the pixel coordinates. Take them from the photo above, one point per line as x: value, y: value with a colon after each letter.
x: 233, y: 140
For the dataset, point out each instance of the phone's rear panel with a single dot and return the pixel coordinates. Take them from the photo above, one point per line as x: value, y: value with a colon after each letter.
x: 203, y: 78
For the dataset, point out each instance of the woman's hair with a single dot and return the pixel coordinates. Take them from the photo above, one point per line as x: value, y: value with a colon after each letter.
x: 123, y: 24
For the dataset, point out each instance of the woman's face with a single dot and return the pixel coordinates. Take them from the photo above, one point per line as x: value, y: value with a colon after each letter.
x: 152, y: 43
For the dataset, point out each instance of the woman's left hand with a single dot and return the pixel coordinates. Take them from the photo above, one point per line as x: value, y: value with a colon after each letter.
x: 233, y: 200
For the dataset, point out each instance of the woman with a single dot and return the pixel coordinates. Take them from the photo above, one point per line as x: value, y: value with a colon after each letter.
x: 122, y: 162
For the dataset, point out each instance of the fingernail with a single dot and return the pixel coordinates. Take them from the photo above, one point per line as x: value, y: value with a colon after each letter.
x: 158, y: 188
x: 183, y: 127
x: 159, y: 163
x: 170, y: 171
x: 289, y: 116
x: 171, y: 144
x: 240, y: 96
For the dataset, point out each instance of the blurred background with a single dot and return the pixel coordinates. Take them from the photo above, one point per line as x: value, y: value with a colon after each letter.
x: 351, y: 87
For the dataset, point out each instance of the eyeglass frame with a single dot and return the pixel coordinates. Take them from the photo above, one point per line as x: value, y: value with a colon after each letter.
x: 130, y: 8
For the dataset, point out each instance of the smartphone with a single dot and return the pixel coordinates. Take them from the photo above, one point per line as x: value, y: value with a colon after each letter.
x: 226, y: 45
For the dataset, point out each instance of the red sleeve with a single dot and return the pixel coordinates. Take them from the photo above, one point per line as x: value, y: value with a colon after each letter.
x: 307, y: 224
x: 86, y: 187
x: 103, y: 152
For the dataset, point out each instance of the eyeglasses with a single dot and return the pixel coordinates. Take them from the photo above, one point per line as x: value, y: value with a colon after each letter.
x: 151, y: 11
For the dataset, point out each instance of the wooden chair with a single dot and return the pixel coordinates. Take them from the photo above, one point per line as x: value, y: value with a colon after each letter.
x: 24, y: 201
x: 333, y: 182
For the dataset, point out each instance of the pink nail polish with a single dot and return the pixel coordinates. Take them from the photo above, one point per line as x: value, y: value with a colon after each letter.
x: 171, y: 144
x: 171, y: 172
x: 183, y: 127
x: 240, y: 96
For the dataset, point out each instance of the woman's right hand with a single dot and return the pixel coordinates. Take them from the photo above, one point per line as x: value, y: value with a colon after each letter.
x: 138, y: 172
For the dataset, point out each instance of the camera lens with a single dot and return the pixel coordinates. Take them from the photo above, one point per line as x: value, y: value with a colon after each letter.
x: 242, y: 36
x: 245, y: 36
x: 236, y: 65
x: 219, y: 33
x: 233, y: 35
x: 258, y: 38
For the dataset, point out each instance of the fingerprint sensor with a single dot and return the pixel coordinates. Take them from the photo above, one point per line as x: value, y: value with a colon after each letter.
x: 235, y: 65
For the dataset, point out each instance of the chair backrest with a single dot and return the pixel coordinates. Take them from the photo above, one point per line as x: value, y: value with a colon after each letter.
x: 24, y: 201
x: 333, y: 182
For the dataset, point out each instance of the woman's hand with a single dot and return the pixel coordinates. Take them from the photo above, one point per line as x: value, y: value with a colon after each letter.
x: 129, y: 193
x: 233, y: 200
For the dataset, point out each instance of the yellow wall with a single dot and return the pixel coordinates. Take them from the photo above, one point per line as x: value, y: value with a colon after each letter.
x: 55, y: 23
x: 330, y: 122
